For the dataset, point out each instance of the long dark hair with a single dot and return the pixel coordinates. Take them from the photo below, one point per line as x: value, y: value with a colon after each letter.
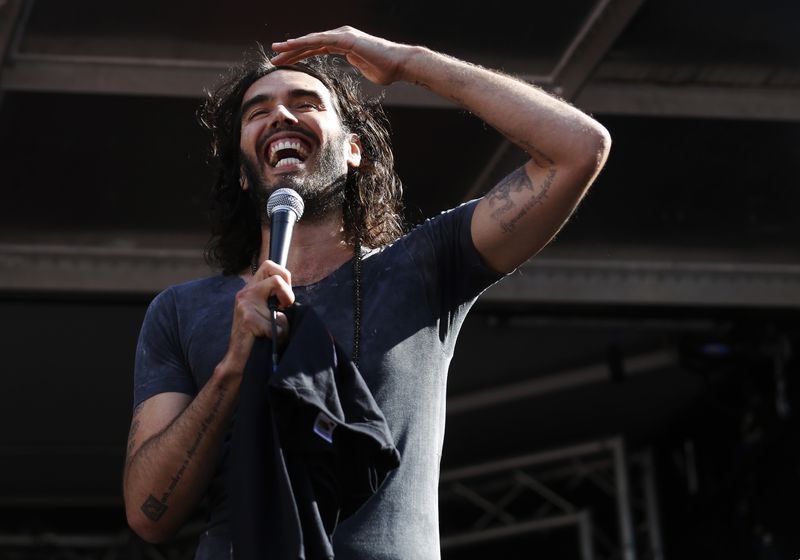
x: 373, y: 193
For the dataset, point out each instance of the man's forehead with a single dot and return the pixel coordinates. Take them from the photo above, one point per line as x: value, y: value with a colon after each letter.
x: 285, y: 80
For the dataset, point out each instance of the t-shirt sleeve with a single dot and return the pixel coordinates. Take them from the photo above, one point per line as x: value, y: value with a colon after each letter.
x: 453, y: 271
x: 160, y: 365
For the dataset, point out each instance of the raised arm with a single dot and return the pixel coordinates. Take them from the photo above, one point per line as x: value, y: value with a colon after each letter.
x: 567, y: 148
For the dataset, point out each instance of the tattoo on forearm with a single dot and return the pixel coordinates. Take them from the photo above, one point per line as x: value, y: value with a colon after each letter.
x: 517, y: 182
x: 131, y: 441
x: 153, y: 507
x: 132, y: 434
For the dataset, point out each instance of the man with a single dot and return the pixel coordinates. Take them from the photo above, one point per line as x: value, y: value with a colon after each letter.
x: 397, y: 309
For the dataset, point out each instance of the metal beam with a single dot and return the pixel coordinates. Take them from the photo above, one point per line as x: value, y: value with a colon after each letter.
x: 651, y: 282
x: 700, y: 101
x: 511, y: 464
x: 635, y: 365
x: 188, y: 78
x: 625, y: 516
x: 474, y: 537
x: 110, y: 75
x: 82, y: 269
x: 168, y: 77
x: 10, y: 11
x: 594, y: 39
x: 136, y: 270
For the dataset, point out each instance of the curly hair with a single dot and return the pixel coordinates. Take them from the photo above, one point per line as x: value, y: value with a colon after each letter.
x: 372, y: 207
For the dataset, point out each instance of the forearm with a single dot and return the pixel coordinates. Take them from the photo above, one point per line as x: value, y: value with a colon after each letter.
x: 567, y: 148
x: 551, y: 131
x: 166, y: 477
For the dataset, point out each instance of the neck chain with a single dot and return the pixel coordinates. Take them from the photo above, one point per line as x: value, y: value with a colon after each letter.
x: 357, y: 302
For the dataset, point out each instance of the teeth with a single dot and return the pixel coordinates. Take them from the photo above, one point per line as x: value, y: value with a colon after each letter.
x: 287, y: 161
x: 287, y: 145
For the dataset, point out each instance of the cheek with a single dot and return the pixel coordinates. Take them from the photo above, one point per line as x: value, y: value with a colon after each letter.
x: 248, y: 135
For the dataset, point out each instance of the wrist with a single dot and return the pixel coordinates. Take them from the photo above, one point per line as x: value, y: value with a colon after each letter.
x: 412, y: 60
x: 229, y: 370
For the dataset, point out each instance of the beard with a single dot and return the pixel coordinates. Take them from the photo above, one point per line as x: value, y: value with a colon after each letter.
x: 322, y: 190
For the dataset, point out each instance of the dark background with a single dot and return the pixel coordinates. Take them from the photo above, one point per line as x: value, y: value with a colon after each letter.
x: 663, y: 318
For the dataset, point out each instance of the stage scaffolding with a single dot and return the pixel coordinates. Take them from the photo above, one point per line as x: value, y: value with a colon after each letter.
x: 606, y: 498
x: 596, y: 495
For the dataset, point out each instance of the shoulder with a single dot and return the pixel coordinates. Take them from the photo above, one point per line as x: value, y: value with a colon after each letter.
x: 199, y: 288
x: 452, y: 218
x: 184, y: 300
x: 440, y: 232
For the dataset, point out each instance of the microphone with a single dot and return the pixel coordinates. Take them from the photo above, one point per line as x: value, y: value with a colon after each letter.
x: 284, y: 209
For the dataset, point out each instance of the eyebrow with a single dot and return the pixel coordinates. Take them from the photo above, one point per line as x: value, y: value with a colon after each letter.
x: 265, y: 97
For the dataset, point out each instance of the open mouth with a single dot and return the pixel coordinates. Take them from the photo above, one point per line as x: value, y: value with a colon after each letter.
x: 286, y: 151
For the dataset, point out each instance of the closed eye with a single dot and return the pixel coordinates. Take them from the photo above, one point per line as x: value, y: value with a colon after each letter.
x: 258, y: 113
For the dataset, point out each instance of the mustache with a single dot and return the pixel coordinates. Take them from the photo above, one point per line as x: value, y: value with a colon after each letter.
x: 264, y: 140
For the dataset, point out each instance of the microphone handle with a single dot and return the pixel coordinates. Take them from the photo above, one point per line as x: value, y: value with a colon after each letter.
x: 282, y: 223
x: 281, y: 226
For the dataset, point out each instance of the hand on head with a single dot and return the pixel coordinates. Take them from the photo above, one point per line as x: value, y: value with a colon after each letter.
x: 379, y: 60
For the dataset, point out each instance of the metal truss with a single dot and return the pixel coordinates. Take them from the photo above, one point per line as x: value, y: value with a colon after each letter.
x: 607, y: 499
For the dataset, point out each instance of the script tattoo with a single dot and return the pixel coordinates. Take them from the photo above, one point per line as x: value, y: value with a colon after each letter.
x: 517, y: 182
x: 132, y: 434
x: 154, y: 508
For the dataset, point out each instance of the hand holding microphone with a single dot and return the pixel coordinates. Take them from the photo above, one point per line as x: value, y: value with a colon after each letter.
x: 269, y: 283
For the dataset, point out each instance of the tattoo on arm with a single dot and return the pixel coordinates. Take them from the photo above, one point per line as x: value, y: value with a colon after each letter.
x: 132, y: 433
x: 500, y: 199
x: 154, y: 508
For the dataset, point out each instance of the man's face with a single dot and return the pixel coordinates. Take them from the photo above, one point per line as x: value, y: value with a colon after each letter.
x: 292, y: 137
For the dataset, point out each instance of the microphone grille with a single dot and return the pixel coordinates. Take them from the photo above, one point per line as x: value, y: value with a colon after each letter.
x: 285, y: 199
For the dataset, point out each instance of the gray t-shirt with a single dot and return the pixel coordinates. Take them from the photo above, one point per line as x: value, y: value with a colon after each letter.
x: 416, y: 293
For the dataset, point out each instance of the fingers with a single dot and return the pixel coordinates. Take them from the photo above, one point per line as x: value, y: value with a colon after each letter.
x: 252, y: 318
x: 251, y: 314
x: 378, y: 60
x: 341, y: 38
x: 269, y: 268
x: 261, y: 326
x: 337, y: 41
x: 271, y: 279
x: 248, y: 325
x: 286, y: 58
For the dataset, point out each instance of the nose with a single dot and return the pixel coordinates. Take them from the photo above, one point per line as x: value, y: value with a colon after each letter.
x: 283, y: 115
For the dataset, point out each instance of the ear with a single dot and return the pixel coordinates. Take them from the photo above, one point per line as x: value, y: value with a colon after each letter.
x: 353, y: 154
x: 243, y: 180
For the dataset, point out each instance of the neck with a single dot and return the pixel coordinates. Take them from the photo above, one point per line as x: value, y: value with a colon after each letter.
x: 318, y: 248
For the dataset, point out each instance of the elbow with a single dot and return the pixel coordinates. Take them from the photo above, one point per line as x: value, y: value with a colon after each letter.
x: 599, y: 147
x: 150, y: 531
x: 590, y: 154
